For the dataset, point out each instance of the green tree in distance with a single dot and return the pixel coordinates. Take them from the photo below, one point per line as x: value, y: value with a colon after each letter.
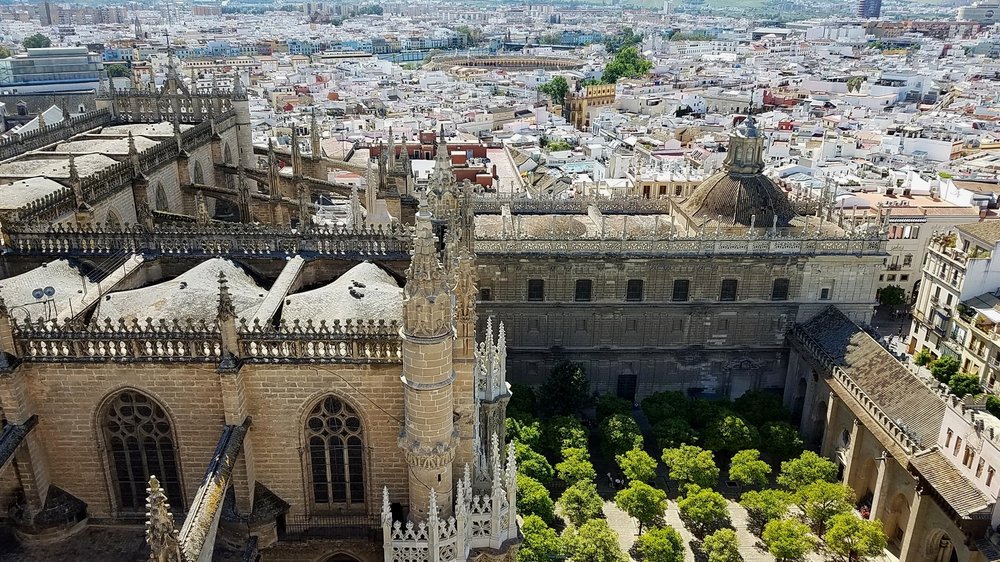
x: 556, y: 89
x: 642, y: 502
x: 36, y: 41
x: 764, y: 506
x: 627, y: 38
x: 688, y: 464
x: 534, y: 499
x: 944, y: 368
x: 731, y: 433
x: 620, y: 434
x: 781, y: 440
x: 575, y: 467
x: 805, y: 470
x: 855, y: 539
x: 722, y: 546
x: 637, y: 465
x: 541, y: 543
x: 627, y: 63
x: 758, y: 407
x: 580, y: 503
x: 532, y: 464
x: 567, y: 390
x: 893, y: 295
x: 593, y: 541
x: 961, y: 384
x: 788, y: 540
x: 663, y: 544
x: 747, y: 468
x: 703, y: 511
x: 563, y: 432
x: 820, y: 501
x: 4, y: 52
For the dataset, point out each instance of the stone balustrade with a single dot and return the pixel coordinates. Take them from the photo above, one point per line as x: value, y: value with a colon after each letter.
x: 199, y: 341
x: 708, y: 245
x: 215, y: 239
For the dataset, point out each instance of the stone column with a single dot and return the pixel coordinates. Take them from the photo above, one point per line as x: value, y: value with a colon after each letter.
x: 910, y: 551
x: 30, y: 461
x: 850, y: 455
x: 428, y: 437
x: 882, y: 482
x: 829, y: 438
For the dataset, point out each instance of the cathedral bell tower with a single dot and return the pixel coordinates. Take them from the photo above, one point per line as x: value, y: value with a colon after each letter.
x: 428, y: 438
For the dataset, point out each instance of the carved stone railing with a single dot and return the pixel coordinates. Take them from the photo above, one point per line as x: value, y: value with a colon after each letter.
x: 895, y: 432
x: 485, y: 203
x: 16, y: 144
x: 107, y: 341
x: 351, y: 342
x: 118, y: 177
x: 691, y: 246
x: 487, y: 522
x: 215, y: 239
x: 354, y: 341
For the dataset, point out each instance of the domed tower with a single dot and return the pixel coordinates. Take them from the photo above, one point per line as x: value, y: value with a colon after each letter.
x: 741, y: 193
x: 428, y: 437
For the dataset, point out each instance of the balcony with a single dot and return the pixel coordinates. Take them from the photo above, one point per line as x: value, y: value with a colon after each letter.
x: 893, y: 267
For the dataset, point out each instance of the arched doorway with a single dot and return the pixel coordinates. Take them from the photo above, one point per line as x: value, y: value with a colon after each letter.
x: 940, y: 548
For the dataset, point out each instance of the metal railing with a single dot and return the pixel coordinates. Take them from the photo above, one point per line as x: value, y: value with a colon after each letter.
x: 334, y: 526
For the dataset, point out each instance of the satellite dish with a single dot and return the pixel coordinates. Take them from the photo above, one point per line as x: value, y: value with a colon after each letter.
x: 37, y: 293
x: 49, y: 291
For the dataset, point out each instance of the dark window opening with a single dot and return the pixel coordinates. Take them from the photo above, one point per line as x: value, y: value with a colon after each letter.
x: 633, y: 290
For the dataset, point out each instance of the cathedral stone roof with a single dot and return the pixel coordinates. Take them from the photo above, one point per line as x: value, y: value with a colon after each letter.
x: 364, y: 292
x: 193, y: 294
x: 740, y: 198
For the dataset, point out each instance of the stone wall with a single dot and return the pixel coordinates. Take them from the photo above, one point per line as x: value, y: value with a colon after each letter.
x: 69, y: 399
x: 702, y: 343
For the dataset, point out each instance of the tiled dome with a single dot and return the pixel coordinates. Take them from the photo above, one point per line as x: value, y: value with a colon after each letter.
x: 738, y: 197
x: 741, y: 194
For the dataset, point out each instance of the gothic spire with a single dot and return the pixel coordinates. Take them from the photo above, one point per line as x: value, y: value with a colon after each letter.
x: 314, y: 136
x: 239, y: 94
x: 161, y: 536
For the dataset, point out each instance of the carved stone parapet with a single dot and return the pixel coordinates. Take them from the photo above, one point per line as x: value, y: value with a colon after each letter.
x: 421, y: 455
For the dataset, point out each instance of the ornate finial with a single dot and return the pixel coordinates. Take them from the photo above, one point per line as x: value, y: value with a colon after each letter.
x: 74, y: 174
x: 41, y: 120
x: 386, y: 508
x: 314, y: 137
x: 511, y: 463
x: 202, y: 209
x: 432, y: 507
x: 226, y: 308
x: 357, y: 217
x: 239, y: 94
x: 160, y: 533
x: 65, y: 111
x: 496, y: 458
x: 305, y: 216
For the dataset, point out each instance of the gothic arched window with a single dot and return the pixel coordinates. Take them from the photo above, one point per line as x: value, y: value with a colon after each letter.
x: 336, y: 454
x: 141, y: 443
x: 161, y: 198
x: 199, y: 175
